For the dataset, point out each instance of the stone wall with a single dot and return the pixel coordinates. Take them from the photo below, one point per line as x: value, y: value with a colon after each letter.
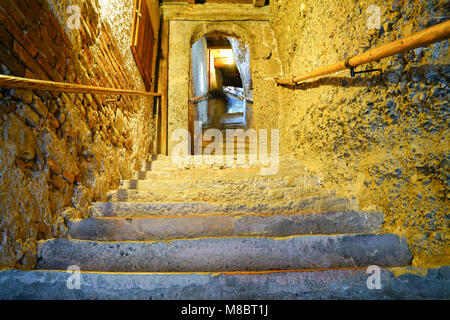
x: 383, y: 138
x: 59, y: 152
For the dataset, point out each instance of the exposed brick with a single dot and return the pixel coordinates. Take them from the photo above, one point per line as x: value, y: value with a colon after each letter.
x: 29, y: 74
x: 11, y: 62
x: 29, y: 61
x: 43, y: 47
x: 51, y: 32
x: 57, y: 76
x: 60, y: 69
x: 43, y: 4
x: 32, y: 17
x: 11, y: 8
x: 42, y: 61
x: 50, y: 46
x: 63, y: 48
x: 58, y: 28
x: 17, y: 33
x: 5, y: 38
x: 39, y: 13
x: 60, y: 55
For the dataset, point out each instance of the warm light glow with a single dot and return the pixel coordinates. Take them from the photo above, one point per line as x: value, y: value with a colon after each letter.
x: 223, y: 56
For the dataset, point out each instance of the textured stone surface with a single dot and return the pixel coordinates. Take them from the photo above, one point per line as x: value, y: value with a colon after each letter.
x: 270, y: 182
x: 323, y: 284
x: 167, y: 170
x: 61, y: 151
x: 120, y: 229
x: 214, y: 195
x: 383, y: 138
x: 379, y: 140
x: 226, y: 254
x: 143, y: 209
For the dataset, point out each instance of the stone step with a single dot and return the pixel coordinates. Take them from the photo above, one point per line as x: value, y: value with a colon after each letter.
x: 222, y: 183
x: 343, y: 283
x: 171, y: 195
x: 228, y: 173
x: 284, y: 158
x: 226, y: 254
x: 205, y: 163
x: 168, y: 228
x: 146, y: 209
x: 210, y: 161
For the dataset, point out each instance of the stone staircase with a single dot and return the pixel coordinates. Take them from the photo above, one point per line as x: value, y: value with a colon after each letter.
x: 195, y: 231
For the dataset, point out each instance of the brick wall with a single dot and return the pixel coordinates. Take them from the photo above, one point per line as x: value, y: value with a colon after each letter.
x: 59, y: 152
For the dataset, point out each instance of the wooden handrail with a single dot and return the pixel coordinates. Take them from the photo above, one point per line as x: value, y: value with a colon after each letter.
x: 43, y: 85
x: 422, y: 38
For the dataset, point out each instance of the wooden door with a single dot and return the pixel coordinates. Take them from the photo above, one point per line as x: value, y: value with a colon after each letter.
x: 145, y: 38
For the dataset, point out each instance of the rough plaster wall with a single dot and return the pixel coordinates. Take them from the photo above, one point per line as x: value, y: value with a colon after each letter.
x: 59, y: 152
x: 264, y: 63
x: 383, y: 138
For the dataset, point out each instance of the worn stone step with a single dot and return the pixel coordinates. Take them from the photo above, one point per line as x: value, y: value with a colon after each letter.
x: 167, y: 228
x: 145, y: 209
x: 342, y: 283
x: 229, y: 173
x: 207, y: 161
x: 210, y: 161
x: 226, y: 254
x: 212, y: 195
x: 283, y: 158
x: 222, y: 183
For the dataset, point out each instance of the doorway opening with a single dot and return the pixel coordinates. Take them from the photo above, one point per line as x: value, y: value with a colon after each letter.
x: 221, y: 84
